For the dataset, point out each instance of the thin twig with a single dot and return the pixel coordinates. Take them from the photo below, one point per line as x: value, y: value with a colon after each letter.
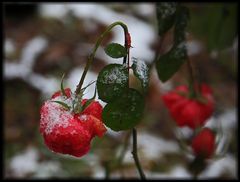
x: 135, y: 155
x: 192, y: 84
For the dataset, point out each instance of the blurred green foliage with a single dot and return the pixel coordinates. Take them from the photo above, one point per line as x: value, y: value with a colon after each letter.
x: 215, y: 23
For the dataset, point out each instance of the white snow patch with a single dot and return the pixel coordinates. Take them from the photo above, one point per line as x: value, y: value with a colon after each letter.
x: 47, y: 85
x: 177, y: 172
x: 31, y: 50
x: 152, y: 147
x: 27, y: 163
x: 142, y: 33
x: 94, y: 162
x: 15, y: 70
x: 53, y: 10
x: 183, y: 132
x: 24, y: 67
x: 9, y: 46
x: 226, y: 121
x: 48, y: 169
x: 24, y: 163
x: 216, y: 168
x: 114, y: 134
x: 146, y: 9
x: 193, y: 47
x: 74, y: 77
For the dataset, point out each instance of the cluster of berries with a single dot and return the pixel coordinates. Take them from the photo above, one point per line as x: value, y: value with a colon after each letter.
x: 66, y: 131
x: 193, y: 112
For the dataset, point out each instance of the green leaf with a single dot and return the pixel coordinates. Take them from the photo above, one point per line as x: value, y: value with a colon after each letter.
x: 166, y: 12
x: 115, y: 50
x: 168, y: 64
x: 142, y: 72
x: 62, y: 104
x: 181, y: 22
x: 112, y: 81
x: 62, y: 88
x: 89, y: 101
x: 124, y: 112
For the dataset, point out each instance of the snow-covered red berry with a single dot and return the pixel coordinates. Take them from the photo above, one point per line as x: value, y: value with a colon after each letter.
x: 66, y: 132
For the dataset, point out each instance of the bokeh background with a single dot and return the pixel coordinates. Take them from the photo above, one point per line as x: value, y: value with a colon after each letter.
x: 44, y: 40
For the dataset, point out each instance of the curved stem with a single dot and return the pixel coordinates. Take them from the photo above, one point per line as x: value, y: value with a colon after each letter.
x: 135, y: 155
x: 92, y: 55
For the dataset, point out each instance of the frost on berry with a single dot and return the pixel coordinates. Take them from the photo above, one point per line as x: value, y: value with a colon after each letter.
x: 67, y: 132
x: 53, y: 115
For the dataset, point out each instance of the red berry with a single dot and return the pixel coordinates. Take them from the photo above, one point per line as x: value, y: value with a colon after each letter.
x: 186, y: 111
x: 59, y: 93
x: 69, y: 133
x: 203, y: 144
x: 95, y: 109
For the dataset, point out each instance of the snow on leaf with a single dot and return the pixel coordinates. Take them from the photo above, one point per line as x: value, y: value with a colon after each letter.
x: 141, y: 71
x: 112, y: 81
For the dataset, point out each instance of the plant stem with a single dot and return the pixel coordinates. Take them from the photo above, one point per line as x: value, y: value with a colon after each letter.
x: 107, y: 170
x: 92, y: 55
x: 135, y: 155
x: 192, y: 84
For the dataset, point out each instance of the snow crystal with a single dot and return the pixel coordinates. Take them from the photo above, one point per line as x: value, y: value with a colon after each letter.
x: 115, y: 75
x: 55, y: 117
x: 83, y: 117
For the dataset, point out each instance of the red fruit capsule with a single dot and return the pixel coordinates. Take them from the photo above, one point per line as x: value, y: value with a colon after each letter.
x: 66, y: 132
x: 203, y: 144
x: 59, y: 93
x: 128, y: 39
x: 187, y: 111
